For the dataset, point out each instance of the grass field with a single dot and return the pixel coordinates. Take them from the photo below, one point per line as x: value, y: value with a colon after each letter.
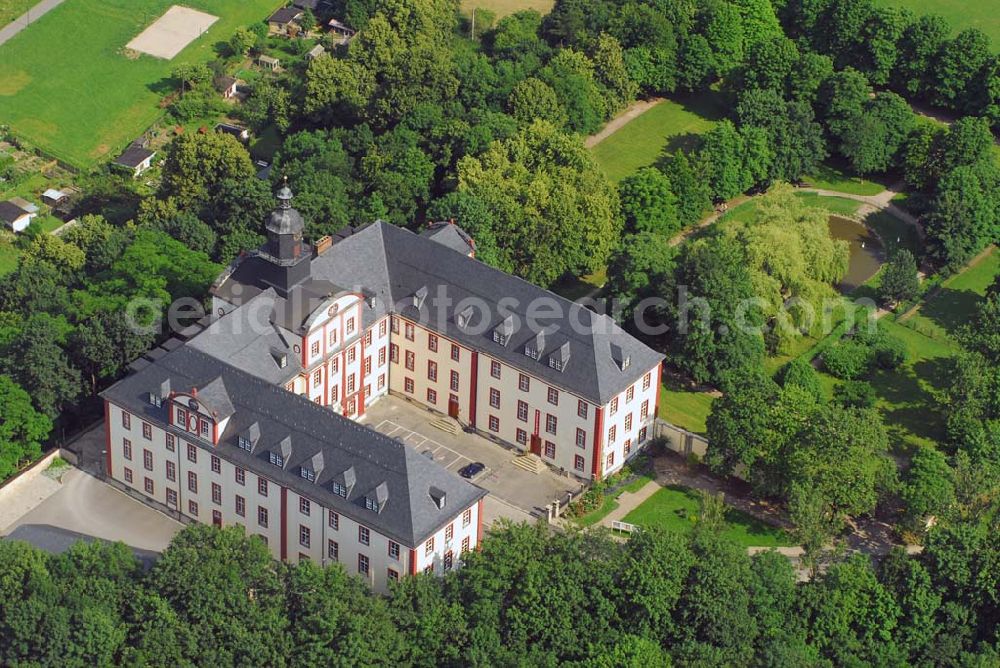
x: 504, y: 7
x: 11, y: 9
x: 67, y: 87
x: 961, y: 14
x: 676, y: 508
x: 670, y: 125
x: 832, y: 177
x: 686, y: 409
x: 956, y: 301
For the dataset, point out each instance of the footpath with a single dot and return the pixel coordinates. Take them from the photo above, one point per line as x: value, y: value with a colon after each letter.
x: 26, y: 19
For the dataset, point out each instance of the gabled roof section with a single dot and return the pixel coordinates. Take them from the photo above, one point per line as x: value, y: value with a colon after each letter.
x: 249, y: 339
x: 390, y: 265
x: 216, y: 398
x: 350, y: 452
x: 450, y: 235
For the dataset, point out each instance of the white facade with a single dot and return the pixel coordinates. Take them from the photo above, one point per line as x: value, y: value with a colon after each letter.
x: 512, y: 405
x: 187, y: 476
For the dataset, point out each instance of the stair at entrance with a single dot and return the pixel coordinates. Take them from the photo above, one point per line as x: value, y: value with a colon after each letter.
x: 529, y: 462
x: 445, y: 424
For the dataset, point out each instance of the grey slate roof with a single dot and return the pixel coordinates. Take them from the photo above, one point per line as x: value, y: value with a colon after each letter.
x: 388, y: 264
x: 380, y: 466
x: 452, y: 236
x: 248, y: 338
x: 285, y: 15
x: 134, y: 156
x: 10, y: 212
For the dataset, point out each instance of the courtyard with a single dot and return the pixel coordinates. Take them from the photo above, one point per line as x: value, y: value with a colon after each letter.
x: 515, y: 493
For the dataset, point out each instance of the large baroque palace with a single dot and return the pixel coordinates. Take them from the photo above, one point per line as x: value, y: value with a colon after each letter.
x: 252, y: 421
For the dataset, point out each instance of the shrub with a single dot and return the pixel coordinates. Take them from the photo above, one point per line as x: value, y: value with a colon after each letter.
x: 890, y: 353
x: 800, y: 372
x: 929, y: 487
x: 855, y: 394
x: 847, y: 360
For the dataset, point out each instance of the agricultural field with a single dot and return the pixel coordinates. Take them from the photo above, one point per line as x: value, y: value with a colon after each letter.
x: 670, y: 125
x: 83, y: 99
x: 502, y: 8
x: 961, y: 14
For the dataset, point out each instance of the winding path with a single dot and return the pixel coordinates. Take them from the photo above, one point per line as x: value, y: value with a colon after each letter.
x: 27, y: 18
x: 879, y: 202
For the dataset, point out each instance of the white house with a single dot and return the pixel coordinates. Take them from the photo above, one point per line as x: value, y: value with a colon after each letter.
x: 136, y: 159
x: 424, y: 320
x: 14, y: 217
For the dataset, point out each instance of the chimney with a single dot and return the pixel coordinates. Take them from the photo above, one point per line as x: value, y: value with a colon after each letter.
x: 323, y: 244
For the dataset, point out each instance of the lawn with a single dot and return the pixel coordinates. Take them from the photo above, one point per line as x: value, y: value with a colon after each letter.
x: 906, y: 396
x: 504, y: 7
x: 835, y: 205
x: 670, y: 125
x: 11, y: 9
x: 955, y: 303
x: 686, y: 409
x: 961, y: 14
x: 10, y: 253
x: 676, y: 508
x: 577, y: 287
x: 67, y: 87
x: 832, y: 177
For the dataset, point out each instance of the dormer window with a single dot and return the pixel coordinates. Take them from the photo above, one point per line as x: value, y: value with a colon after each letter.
x: 156, y: 397
x: 534, y: 348
x: 339, y: 489
x: 308, y: 474
x: 419, y: 296
x: 244, y: 443
x: 439, y: 497
x: 620, y: 357
x: 464, y: 316
x: 503, y: 331
x: 276, y: 459
x: 282, y: 361
x: 560, y: 357
x: 371, y: 504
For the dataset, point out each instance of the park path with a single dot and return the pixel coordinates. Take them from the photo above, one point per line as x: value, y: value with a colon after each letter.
x: 880, y: 202
x: 634, y: 110
x: 27, y: 18
x: 869, y: 536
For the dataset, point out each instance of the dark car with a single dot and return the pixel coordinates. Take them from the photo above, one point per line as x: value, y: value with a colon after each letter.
x: 471, y: 470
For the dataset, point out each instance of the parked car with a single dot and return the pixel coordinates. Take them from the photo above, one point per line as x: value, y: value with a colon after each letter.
x: 471, y: 470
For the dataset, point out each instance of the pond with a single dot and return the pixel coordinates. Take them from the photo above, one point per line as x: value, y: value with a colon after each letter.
x: 866, y: 251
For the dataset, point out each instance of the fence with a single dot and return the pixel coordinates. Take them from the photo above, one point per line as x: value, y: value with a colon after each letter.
x: 680, y: 440
x: 624, y: 527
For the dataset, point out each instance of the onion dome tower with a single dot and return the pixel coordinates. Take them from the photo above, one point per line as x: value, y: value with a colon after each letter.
x: 288, y: 256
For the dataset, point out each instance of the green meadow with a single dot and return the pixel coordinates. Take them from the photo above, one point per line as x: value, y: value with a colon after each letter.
x: 68, y: 87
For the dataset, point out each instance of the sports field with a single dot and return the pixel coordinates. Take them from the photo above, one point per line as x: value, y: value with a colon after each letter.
x: 961, y: 14
x: 663, y: 129
x: 68, y: 86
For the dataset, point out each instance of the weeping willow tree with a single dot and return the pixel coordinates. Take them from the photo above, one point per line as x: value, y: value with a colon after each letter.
x: 793, y: 263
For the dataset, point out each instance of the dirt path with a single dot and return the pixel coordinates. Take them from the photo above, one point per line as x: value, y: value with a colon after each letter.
x: 634, y: 110
x: 27, y: 18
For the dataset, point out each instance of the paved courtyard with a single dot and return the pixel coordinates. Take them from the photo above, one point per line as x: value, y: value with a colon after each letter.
x: 518, y: 493
x: 82, y: 507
